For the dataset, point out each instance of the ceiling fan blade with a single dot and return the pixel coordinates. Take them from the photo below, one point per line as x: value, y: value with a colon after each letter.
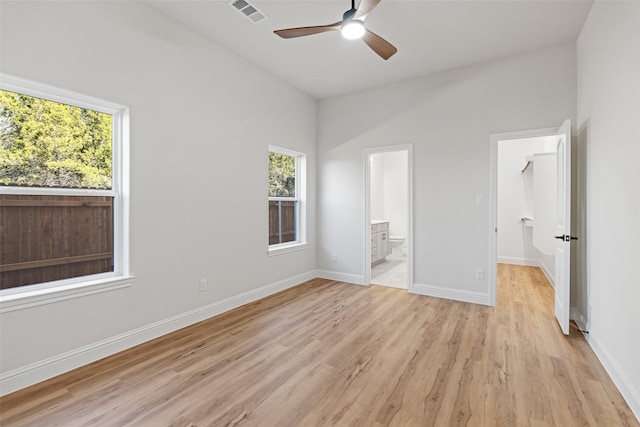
x: 379, y: 45
x: 290, y: 33
x: 364, y: 8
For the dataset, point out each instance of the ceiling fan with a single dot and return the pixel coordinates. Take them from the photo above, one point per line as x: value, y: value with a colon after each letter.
x: 352, y: 27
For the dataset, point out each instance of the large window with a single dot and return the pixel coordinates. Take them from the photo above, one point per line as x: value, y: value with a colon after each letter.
x: 63, y: 185
x: 286, y: 199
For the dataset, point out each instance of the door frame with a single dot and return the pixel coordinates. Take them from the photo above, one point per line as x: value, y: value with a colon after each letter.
x: 493, y: 198
x: 367, y: 209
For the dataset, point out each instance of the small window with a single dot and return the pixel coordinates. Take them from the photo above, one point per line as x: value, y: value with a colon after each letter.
x: 286, y: 191
x: 62, y: 185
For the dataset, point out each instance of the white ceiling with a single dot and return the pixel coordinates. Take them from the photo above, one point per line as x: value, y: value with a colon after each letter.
x: 431, y: 36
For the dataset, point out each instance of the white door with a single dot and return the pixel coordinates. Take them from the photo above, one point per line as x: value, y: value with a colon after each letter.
x: 563, y: 227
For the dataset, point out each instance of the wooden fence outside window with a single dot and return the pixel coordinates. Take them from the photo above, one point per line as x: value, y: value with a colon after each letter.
x: 47, y: 238
x: 282, y: 221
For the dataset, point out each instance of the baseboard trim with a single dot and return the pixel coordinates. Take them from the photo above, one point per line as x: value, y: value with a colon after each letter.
x: 33, y: 373
x: 624, y: 385
x: 548, y: 274
x: 452, y: 294
x: 519, y: 261
x: 340, y: 277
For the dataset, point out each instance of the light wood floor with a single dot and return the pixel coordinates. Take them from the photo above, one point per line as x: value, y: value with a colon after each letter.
x: 330, y: 353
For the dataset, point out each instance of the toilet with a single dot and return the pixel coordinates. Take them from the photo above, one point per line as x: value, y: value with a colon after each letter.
x: 398, y: 247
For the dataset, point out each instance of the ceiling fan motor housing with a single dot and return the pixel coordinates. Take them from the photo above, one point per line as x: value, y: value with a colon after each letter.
x: 348, y: 14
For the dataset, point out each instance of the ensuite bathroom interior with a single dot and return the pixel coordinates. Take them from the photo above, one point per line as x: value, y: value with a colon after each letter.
x: 389, y: 192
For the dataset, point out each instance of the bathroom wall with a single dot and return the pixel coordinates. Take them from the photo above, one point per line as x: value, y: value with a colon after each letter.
x: 389, y: 190
x: 377, y: 186
x: 395, y: 192
x: 515, y: 200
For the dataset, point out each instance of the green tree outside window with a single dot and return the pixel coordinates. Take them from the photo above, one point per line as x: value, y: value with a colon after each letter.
x: 48, y: 144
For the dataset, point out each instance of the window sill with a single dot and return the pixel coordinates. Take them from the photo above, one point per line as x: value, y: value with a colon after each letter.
x: 35, y: 297
x: 286, y: 248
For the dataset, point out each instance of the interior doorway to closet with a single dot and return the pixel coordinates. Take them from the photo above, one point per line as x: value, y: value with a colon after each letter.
x: 531, y: 208
x: 526, y: 197
x: 388, y: 218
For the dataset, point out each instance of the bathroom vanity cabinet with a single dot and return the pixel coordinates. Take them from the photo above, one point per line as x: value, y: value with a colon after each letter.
x: 379, y: 241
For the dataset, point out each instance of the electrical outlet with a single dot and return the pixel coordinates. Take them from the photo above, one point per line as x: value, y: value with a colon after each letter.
x: 479, y: 274
x: 334, y: 257
x: 203, y: 285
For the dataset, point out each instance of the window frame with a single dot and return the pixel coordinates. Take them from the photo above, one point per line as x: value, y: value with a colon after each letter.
x: 43, y: 293
x: 301, y: 193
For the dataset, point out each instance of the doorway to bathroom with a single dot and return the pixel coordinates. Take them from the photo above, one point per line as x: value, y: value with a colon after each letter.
x: 388, y: 216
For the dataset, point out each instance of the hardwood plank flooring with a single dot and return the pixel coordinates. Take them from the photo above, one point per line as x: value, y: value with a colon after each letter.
x: 330, y: 353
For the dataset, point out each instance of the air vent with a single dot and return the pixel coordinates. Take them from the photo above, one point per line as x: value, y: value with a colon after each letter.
x: 239, y: 4
x: 248, y: 10
x: 257, y: 17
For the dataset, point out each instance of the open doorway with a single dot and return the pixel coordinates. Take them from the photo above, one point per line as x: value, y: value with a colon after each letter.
x: 388, y: 217
x: 526, y: 200
x: 531, y: 208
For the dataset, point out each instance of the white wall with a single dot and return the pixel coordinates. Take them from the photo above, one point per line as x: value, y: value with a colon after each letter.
x: 377, y: 187
x: 449, y: 118
x: 201, y: 123
x: 516, y: 194
x: 396, y: 192
x: 389, y: 190
x: 608, y: 132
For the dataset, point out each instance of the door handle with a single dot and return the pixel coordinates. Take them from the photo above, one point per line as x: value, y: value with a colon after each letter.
x: 566, y: 238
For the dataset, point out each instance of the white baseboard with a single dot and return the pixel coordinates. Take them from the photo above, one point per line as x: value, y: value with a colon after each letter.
x: 340, y: 277
x: 33, y: 373
x: 453, y: 294
x: 519, y: 261
x: 547, y: 273
x: 626, y: 387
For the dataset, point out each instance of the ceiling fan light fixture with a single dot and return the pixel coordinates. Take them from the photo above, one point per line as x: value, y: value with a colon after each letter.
x: 353, y: 29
